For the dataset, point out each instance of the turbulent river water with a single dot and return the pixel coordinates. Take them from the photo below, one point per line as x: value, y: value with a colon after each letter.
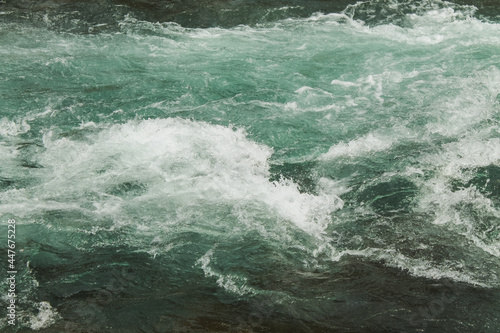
x: 300, y: 172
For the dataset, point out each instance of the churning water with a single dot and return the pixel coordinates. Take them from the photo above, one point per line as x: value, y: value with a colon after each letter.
x: 338, y: 172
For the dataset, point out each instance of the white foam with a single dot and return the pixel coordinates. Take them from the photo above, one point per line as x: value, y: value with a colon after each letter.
x: 335, y: 187
x: 11, y: 128
x: 372, y: 142
x: 46, y: 316
x: 469, y: 152
x: 428, y: 269
x: 474, y: 102
x: 372, y: 85
x: 344, y: 83
x: 429, y: 23
x: 175, y: 161
x: 418, y: 267
x: 231, y: 283
x: 312, y: 100
x: 464, y: 210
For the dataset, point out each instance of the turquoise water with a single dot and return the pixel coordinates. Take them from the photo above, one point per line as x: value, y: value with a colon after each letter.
x: 336, y: 172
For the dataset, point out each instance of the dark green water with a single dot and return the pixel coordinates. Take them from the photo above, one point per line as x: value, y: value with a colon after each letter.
x: 251, y: 168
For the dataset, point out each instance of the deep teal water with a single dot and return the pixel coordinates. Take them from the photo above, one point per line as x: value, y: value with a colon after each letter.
x: 333, y: 172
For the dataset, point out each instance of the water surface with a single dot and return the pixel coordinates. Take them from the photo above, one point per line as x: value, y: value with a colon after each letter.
x: 279, y: 169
